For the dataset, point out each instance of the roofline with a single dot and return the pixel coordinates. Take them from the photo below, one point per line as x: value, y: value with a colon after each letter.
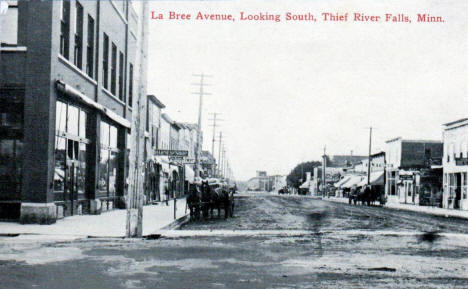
x: 378, y: 154
x: 167, y: 118
x: 393, y: 139
x: 156, y: 101
x: 414, y: 140
x: 174, y: 123
x: 460, y: 121
x: 352, y: 156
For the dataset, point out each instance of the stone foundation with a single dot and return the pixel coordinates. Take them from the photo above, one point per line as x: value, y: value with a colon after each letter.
x: 38, y: 213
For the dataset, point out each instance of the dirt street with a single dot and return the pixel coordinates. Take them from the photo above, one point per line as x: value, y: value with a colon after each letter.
x: 272, y: 242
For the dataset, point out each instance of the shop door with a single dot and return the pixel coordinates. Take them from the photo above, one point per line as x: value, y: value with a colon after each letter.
x: 71, y: 196
x: 75, y: 176
x: 456, y: 204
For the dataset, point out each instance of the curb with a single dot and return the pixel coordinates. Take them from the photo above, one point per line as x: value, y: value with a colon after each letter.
x: 435, y: 214
x: 177, y: 223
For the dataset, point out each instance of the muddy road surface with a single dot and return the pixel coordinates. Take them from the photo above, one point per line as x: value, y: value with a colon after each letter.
x: 271, y: 242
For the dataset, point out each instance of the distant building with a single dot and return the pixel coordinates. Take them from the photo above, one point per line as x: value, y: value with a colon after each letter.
x: 261, y: 173
x: 263, y: 182
x: 344, y: 161
x: 154, y: 172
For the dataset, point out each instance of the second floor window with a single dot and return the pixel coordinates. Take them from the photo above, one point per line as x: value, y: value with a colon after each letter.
x: 78, y: 55
x: 105, y: 62
x: 65, y: 28
x: 121, y: 77
x: 90, y: 48
x: 113, y: 68
x: 130, y: 85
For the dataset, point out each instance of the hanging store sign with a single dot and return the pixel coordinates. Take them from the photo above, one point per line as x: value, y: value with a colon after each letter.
x: 182, y: 160
x: 171, y: 153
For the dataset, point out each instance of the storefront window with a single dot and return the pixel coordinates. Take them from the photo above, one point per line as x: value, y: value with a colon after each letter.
x: 464, y: 186
x: 6, y: 160
x: 113, y: 172
x: 10, y: 165
x: 103, y: 169
x: 113, y: 137
x: 109, y: 159
x: 81, y: 180
x: 83, y: 124
x: 59, y: 173
x: 60, y: 116
x: 73, y: 120
x: 104, y: 134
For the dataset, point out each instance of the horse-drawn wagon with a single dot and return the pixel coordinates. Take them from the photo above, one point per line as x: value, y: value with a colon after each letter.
x: 208, y: 196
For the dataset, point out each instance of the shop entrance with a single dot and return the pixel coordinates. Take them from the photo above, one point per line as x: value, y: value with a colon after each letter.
x: 456, y: 204
x: 70, y: 175
x: 70, y: 159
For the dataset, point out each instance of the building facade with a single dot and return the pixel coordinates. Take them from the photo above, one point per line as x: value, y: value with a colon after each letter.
x: 208, y: 164
x: 407, y: 161
x: 154, y: 173
x: 455, y: 165
x: 69, y: 85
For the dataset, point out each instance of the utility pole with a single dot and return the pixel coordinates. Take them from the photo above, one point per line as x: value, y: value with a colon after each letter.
x: 200, y: 93
x: 134, y: 198
x: 224, y: 162
x: 214, y: 119
x: 219, y: 153
x: 369, y: 159
x: 324, y: 167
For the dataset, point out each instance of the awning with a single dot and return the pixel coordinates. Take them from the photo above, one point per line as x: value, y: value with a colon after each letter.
x: 189, y: 174
x: 305, y: 185
x: 76, y: 94
x: 376, y: 178
x: 353, y: 181
x: 342, y: 181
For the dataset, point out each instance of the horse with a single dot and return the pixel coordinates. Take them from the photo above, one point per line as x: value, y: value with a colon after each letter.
x: 206, y: 200
x: 193, y: 202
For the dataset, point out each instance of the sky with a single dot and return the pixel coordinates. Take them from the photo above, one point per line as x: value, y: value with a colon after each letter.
x: 286, y: 90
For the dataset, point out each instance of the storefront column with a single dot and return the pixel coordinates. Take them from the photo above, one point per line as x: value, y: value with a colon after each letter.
x: 122, y: 167
x: 94, y: 129
x: 37, y: 197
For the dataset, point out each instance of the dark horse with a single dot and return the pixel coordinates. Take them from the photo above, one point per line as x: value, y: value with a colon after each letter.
x: 215, y: 197
x: 193, y: 202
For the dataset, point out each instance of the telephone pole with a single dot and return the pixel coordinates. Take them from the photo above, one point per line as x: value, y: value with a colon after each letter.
x: 213, y: 125
x: 134, y: 198
x: 324, y: 167
x: 219, y: 152
x: 200, y: 93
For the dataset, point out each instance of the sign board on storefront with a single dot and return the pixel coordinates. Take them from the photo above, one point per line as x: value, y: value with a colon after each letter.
x: 181, y: 160
x: 171, y: 153
x: 461, y: 161
x: 405, y: 177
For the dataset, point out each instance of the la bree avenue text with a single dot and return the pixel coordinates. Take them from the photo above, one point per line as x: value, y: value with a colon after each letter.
x: 290, y: 16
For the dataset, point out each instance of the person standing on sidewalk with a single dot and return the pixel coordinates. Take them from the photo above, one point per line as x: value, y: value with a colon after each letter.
x: 166, y: 193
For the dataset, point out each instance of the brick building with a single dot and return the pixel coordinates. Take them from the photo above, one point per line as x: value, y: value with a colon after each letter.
x: 410, y: 167
x: 70, y: 72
